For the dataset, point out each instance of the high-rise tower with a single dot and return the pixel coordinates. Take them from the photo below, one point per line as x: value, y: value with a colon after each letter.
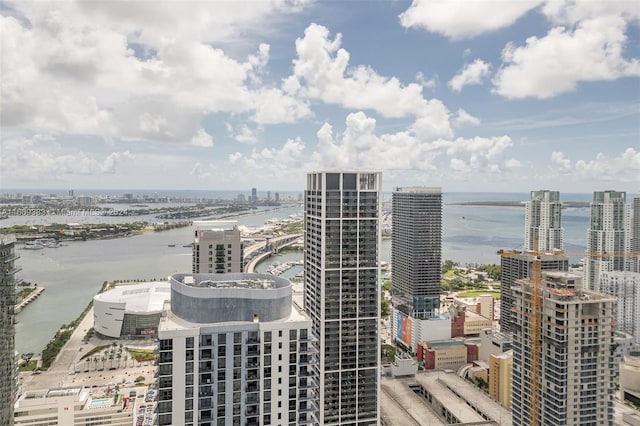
x: 7, y: 328
x: 342, y: 293
x: 543, y: 221
x: 235, y: 350
x: 562, y: 353
x: 416, y: 250
x: 608, y: 242
x: 516, y: 265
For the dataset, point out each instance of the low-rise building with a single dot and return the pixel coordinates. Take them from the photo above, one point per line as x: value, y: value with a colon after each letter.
x: 446, y: 354
x: 130, y: 311
x: 474, y: 323
x: 500, y: 371
x: 494, y: 342
x: 72, y: 406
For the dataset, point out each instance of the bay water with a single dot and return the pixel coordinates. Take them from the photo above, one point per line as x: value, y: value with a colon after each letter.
x: 72, y: 274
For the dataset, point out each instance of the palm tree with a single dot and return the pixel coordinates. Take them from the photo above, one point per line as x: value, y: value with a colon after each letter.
x: 103, y: 359
x: 118, y: 356
x: 95, y: 363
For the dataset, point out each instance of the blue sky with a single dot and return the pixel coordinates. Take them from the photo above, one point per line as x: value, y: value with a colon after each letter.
x: 469, y: 95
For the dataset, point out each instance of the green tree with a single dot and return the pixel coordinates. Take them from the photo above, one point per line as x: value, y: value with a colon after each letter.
x: 449, y: 265
x: 385, y: 308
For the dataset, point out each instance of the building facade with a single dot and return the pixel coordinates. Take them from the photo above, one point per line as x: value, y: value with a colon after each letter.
x: 216, y: 249
x: 608, y: 241
x: 516, y: 265
x: 130, y: 311
x: 8, y: 371
x: 500, y: 374
x: 625, y: 287
x: 570, y: 380
x: 543, y: 221
x: 416, y: 250
x: 342, y: 292
x: 235, y: 350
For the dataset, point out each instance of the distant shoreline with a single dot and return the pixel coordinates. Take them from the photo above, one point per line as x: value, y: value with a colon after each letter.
x: 512, y: 204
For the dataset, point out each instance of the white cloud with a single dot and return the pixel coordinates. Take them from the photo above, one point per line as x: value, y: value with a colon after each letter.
x: 482, y: 154
x: 462, y: 117
x: 245, y: 135
x: 556, y: 63
x: 472, y: 73
x: 284, y: 163
x: 202, y: 138
x: 559, y: 163
x: 322, y: 72
x: 429, y: 84
x: 623, y: 168
x: 42, y: 159
x: 459, y: 19
x: 114, y: 71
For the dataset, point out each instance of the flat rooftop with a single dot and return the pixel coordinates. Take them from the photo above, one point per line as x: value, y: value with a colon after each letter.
x: 252, y: 283
x: 138, y: 298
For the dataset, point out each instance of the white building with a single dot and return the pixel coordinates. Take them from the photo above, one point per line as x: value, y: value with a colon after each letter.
x: 234, y: 349
x: 217, y: 248
x: 73, y: 406
x: 130, y: 311
x: 493, y: 342
x: 609, y: 237
x: 543, y: 221
x: 486, y: 306
x: 625, y: 287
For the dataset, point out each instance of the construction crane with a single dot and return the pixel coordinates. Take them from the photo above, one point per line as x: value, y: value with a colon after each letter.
x: 535, y: 325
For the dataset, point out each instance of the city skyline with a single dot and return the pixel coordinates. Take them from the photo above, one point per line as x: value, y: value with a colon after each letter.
x: 280, y: 89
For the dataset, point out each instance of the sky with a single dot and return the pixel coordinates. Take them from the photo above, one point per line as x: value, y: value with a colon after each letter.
x: 467, y: 95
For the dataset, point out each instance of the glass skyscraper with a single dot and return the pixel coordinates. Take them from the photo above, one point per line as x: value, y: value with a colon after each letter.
x: 416, y: 252
x: 342, y: 293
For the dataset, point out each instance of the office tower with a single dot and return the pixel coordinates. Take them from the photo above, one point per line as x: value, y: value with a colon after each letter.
x: 254, y: 195
x: 7, y: 328
x: 235, y: 350
x: 516, y: 265
x: 277, y: 197
x: 217, y: 248
x: 625, y: 287
x: 543, y: 221
x: 566, y: 376
x: 416, y: 250
x: 608, y: 243
x: 342, y: 293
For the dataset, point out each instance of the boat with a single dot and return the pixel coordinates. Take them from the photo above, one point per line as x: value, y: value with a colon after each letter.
x: 33, y: 245
x: 172, y: 245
